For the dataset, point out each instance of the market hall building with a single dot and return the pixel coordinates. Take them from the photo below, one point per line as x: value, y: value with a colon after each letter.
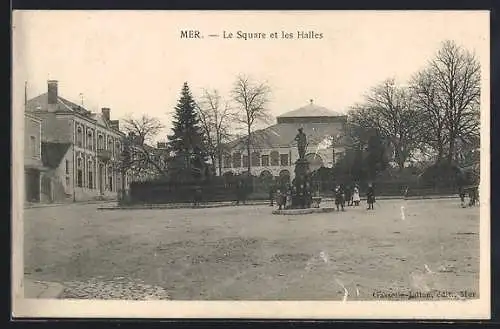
x: 274, y: 150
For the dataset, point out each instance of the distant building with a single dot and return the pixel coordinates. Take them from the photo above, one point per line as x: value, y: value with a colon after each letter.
x: 274, y: 150
x: 146, y: 162
x: 33, y: 166
x: 81, y: 149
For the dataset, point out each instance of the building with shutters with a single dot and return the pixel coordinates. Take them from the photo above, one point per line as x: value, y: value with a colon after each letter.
x: 80, y: 149
x: 274, y: 150
x: 33, y: 166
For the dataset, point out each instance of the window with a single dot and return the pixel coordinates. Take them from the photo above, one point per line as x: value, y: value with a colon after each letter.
x: 236, y: 160
x: 284, y: 159
x: 79, y: 178
x: 90, y: 143
x: 275, y: 158
x: 33, y: 150
x: 90, y: 176
x: 79, y: 137
x: 100, y: 142
x: 256, y: 159
x: 79, y: 174
x: 110, y: 179
x: 245, y: 161
x: 67, y: 167
x: 110, y: 145
x: 227, y: 161
x: 91, y: 179
x: 265, y: 160
x: 117, y: 148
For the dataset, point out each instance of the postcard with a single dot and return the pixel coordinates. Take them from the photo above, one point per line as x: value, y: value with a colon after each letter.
x: 251, y: 164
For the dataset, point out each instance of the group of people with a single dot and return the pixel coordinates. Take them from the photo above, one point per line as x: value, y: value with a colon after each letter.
x: 293, y: 195
x: 472, y: 192
x: 344, y: 194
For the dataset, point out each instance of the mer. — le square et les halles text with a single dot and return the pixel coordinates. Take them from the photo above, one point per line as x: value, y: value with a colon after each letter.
x: 242, y: 35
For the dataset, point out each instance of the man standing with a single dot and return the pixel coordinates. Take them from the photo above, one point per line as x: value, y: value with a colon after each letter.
x: 272, y: 192
x: 339, y: 197
x: 370, y: 196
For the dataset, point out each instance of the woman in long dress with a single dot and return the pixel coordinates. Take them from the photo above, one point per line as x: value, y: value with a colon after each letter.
x: 355, y: 196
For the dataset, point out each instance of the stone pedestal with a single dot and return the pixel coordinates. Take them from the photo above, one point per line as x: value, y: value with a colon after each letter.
x: 301, y: 185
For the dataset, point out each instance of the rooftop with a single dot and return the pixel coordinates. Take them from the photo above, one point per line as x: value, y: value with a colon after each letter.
x: 310, y: 110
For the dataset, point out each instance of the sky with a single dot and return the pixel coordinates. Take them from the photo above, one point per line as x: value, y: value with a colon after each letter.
x: 135, y: 62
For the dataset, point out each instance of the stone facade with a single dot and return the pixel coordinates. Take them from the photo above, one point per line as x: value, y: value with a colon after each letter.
x: 89, y: 169
x: 33, y: 166
x: 274, y: 151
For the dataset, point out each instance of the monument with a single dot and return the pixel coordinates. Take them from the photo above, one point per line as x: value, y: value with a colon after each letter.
x: 301, y: 189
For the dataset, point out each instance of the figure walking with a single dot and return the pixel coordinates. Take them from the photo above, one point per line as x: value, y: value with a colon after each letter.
x: 197, y: 196
x: 348, y: 196
x: 355, y: 196
x: 461, y: 193
x: 339, y: 198
x: 272, y: 192
x: 370, y: 197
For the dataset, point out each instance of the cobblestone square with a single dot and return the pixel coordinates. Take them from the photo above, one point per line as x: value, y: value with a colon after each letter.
x: 246, y: 253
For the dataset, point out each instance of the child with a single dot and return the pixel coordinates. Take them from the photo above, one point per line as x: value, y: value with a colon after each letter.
x: 355, y: 196
x: 339, y: 198
x: 370, y: 197
x: 280, y: 199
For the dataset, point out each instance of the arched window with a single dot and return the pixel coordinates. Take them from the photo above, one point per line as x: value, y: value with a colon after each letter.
x: 100, y: 142
x: 266, y: 176
x: 284, y: 177
x: 227, y: 160
x: 110, y: 145
x: 315, y: 161
x: 236, y: 160
x: 118, y: 148
x: 79, y: 136
x: 79, y: 172
x: 275, y: 158
x: 90, y: 141
x: 90, y: 170
x: 256, y: 159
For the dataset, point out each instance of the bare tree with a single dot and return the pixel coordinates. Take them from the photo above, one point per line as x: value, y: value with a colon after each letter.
x: 252, y: 99
x: 452, y: 81
x: 215, y: 118
x: 143, y: 159
x: 433, y: 113
x: 388, y: 109
x: 144, y: 127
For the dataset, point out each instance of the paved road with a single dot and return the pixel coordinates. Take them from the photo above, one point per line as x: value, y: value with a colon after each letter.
x: 247, y: 253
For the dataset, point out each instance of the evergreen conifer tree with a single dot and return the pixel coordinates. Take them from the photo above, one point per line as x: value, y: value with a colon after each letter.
x: 187, y: 141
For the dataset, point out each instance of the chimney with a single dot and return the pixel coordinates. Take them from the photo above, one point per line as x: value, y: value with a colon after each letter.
x: 52, y: 92
x: 105, y: 113
x: 115, y: 124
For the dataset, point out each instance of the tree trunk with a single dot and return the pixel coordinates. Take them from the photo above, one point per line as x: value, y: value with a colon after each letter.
x: 219, y: 153
x: 219, y: 160
x: 452, y: 148
x: 248, y: 150
x: 123, y: 185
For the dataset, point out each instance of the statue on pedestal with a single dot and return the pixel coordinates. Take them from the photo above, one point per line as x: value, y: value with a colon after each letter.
x: 301, y: 140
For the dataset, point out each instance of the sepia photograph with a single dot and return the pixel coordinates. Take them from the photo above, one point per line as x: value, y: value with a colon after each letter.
x: 246, y: 164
